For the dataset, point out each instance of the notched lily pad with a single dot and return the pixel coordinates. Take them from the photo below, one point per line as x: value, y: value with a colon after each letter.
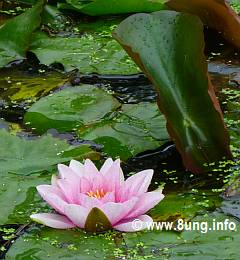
x: 231, y: 206
x: 21, y: 156
x: 21, y: 89
x: 18, y: 197
x: 185, y: 205
x: 71, y: 108
x: 88, y: 53
x: 62, y: 244
x: 97, y: 116
x: 134, y: 129
x: 198, y: 243
x: 22, y: 162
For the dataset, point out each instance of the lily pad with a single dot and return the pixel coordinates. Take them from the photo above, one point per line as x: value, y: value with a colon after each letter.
x: 71, y: 108
x: 185, y: 205
x: 21, y: 88
x: 134, y: 129
x: 231, y: 206
x: 19, y: 198
x: 88, y: 53
x: 61, y: 244
x: 142, y: 245
x: 25, y: 157
x: 16, y: 34
x: 190, y: 244
x: 101, y: 7
x: 97, y: 116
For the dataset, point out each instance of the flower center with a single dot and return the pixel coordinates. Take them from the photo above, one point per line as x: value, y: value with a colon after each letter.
x: 98, y: 194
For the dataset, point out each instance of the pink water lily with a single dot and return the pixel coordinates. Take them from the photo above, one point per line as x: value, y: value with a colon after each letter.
x: 81, y: 189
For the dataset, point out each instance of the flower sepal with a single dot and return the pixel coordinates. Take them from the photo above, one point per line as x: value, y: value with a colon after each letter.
x: 97, y: 221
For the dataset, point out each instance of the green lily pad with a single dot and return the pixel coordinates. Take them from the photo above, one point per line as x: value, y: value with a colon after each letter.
x: 19, y: 88
x: 190, y: 244
x: 25, y: 157
x: 21, y: 161
x: 231, y: 206
x: 18, y: 197
x: 97, y: 116
x: 66, y: 244
x: 101, y: 7
x: 88, y: 53
x: 134, y: 129
x: 61, y: 244
x: 185, y: 205
x: 71, y: 108
x: 16, y: 33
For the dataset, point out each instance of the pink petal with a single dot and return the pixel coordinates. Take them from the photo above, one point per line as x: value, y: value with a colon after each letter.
x: 70, y: 189
x: 53, y: 197
x: 133, y: 225
x: 86, y: 185
x: 109, y: 197
x: 90, y: 170
x: 146, y: 202
x: 52, y: 220
x: 98, y: 182
x: 66, y: 173
x: 44, y: 189
x: 113, y: 177
x: 77, y: 167
x: 89, y: 202
x: 106, y: 166
x: 136, y: 185
x: 77, y: 214
x: 69, y: 183
x: 117, y: 211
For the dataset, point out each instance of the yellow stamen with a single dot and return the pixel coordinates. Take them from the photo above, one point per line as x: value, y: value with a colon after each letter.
x: 98, y: 194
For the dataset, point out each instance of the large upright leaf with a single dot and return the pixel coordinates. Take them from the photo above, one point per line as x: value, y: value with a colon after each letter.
x: 15, y: 34
x: 168, y: 46
x: 215, y: 13
x: 100, y: 7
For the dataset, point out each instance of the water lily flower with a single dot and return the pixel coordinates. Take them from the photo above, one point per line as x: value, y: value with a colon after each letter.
x: 96, y: 200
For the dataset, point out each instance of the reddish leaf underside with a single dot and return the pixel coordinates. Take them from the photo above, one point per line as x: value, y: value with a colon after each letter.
x: 216, y: 14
